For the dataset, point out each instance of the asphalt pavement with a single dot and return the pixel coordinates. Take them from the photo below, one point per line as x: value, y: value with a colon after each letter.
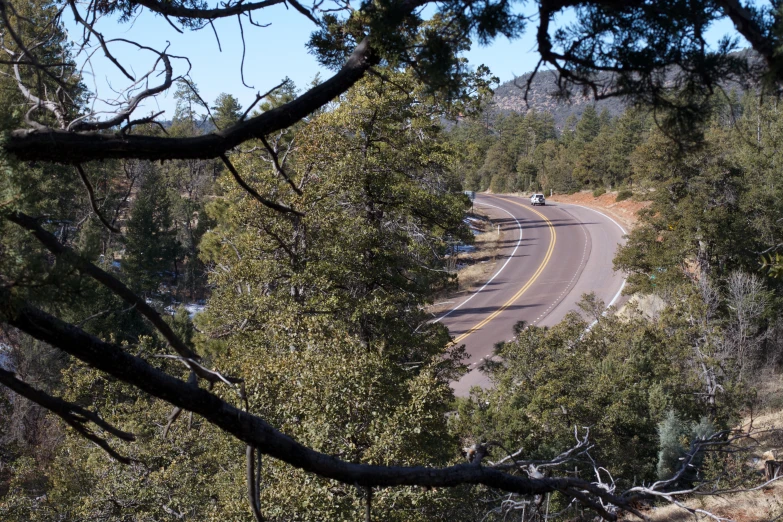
x: 549, y: 257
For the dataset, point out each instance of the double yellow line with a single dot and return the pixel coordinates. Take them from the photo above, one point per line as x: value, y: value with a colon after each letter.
x: 529, y: 283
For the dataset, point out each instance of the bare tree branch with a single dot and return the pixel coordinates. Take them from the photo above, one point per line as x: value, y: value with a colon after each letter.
x: 250, y: 190
x: 260, y: 97
x: 60, y: 146
x: 73, y: 414
x: 93, y: 203
x: 101, y: 40
x: 123, y: 292
x: 180, y: 11
x: 134, y: 102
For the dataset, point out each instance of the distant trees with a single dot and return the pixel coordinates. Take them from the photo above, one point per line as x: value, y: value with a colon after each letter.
x: 526, y: 152
x: 226, y: 111
x: 151, y: 246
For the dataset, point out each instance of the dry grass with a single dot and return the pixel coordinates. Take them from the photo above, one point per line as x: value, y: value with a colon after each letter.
x: 763, y: 505
x: 475, y: 267
x: 755, y: 506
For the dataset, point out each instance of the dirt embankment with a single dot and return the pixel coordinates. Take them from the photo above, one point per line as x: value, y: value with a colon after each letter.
x: 473, y: 265
x: 625, y: 211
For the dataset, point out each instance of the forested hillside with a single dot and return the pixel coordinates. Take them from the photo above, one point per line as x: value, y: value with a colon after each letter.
x: 222, y: 314
x: 526, y: 152
x: 597, y: 151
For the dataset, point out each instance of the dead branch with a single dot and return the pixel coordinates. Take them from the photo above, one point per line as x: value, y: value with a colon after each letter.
x: 82, y: 124
x: 258, y: 197
x: 260, y: 97
x: 73, y: 415
x: 62, y: 146
x: 101, y: 40
x: 93, y: 203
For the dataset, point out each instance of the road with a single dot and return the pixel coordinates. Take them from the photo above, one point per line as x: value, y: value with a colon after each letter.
x: 549, y: 257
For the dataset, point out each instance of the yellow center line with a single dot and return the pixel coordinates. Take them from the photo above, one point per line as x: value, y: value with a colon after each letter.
x: 529, y: 283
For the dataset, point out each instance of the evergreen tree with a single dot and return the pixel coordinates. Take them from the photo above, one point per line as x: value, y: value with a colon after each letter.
x: 187, y: 117
x: 589, y: 125
x: 226, y: 110
x: 151, y: 247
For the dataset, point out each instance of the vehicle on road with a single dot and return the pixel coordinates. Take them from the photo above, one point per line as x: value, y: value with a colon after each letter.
x: 537, y: 199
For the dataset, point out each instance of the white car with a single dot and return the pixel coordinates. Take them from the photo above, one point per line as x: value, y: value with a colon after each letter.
x: 537, y: 199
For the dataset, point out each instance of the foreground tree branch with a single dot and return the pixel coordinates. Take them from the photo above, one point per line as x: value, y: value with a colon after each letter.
x: 254, y: 431
x: 93, y: 203
x: 61, y: 146
x: 279, y: 207
x: 180, y: 11
x: 73, y: 415
x: 67, y: 255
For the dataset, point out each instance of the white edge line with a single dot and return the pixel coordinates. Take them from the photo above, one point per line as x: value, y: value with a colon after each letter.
x: 598, y: 212
x: 622, y: 286
x: 474, y: 294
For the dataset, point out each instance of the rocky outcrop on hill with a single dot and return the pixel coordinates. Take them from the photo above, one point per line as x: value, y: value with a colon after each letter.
x: 510, y: 97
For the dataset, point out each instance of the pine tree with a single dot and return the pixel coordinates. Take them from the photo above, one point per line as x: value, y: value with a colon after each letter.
x: 151, y: 247
x: 226, y: 110
x: 589, y: 125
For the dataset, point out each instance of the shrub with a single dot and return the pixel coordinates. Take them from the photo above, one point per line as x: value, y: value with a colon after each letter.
x: 624, y: 194
x: 674, y: 437
x: 671, y: 431
x: 600, y: 191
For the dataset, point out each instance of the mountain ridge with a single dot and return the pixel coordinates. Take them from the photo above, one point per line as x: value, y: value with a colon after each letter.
x: 542, y: 97
x: 510, y: 97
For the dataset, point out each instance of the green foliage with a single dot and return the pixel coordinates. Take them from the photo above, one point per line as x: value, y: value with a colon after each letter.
x: 151, y: 247
x: 714, y: 208
x: 772, y: 264
x: 321, y: 314
x: 320, y: 310
x: 671, y: 434
x: 226, y: 110
x: 589, y: 125
x: 600, y: 191
x: 513, y: 152
x: 335, y: 348
x: 619, y: 378
x: 624, y: 194
x: 675, y: 438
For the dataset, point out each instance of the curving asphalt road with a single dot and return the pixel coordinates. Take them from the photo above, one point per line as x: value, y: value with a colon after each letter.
x: 551, y: 256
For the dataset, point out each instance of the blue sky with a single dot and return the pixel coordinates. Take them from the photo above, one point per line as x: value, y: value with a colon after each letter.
x: 273, y: 52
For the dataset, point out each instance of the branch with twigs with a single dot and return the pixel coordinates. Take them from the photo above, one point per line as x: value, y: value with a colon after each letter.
x: 255, y: 431
x: 93, y: 203
x: 83, y: 124
x: 274, y: 154
x: 72, y: 414
x: 50, y: 242
x: 76, y: 147
x: 279, y: 207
